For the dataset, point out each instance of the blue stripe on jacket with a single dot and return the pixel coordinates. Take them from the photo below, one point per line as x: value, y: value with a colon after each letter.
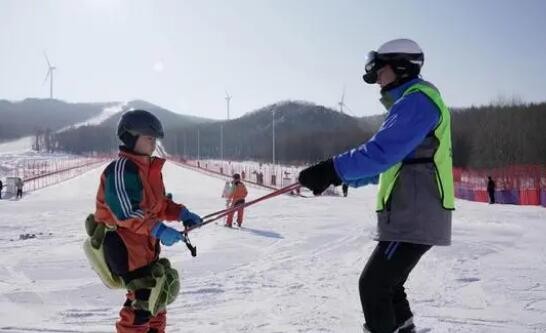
x: 408, y: 122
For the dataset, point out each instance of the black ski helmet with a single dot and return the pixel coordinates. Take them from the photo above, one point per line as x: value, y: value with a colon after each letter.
x: 138, y: 122
x: 404, y: 56
x: 236, y: 176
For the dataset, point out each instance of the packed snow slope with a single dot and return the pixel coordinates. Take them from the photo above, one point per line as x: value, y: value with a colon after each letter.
x: 294, y: 267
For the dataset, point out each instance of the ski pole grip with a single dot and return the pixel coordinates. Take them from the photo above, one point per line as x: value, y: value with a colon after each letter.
x: 193, y: 249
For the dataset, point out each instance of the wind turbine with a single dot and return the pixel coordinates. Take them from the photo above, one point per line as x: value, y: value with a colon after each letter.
x: 341, y: 103
x: 49, y: 75
x: 228, y: 99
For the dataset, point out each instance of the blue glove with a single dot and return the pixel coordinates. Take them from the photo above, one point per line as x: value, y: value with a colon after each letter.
x: 189, y: 219
x: 167, y: 235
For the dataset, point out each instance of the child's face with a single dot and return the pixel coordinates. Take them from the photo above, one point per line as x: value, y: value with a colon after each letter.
x: 145, y: 145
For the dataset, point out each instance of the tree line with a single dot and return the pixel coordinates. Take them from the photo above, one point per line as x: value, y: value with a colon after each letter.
x: 483, y: 137
x: 499, y: 135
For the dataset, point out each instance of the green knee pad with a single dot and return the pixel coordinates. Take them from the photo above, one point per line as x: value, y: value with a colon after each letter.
x: 94, y: 251
x: 164, y: 284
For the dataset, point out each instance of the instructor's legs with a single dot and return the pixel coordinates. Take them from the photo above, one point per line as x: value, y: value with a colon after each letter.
x: 382, y: 281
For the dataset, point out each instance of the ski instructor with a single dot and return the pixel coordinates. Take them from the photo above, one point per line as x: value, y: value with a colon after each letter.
x: 412, y: 154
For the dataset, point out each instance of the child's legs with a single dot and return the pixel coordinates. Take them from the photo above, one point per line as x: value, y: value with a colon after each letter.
x: 133, y: 320
x: 230, y: 218
x: 115, y: 253
x: 158, y: 322
x: 240, y: 215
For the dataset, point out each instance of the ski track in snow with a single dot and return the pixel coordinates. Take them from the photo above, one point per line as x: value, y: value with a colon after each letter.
x: 294, y: 267
x: 106, y: 113
x: 16, y: 146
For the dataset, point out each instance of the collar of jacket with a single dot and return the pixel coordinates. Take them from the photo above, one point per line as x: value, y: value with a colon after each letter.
x: 142, y: 161
x: 392, y: 95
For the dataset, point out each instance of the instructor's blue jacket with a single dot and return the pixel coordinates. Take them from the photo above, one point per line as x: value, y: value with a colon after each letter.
x: 408, y: 122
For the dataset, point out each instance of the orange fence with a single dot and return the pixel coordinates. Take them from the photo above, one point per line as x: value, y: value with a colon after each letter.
x: 270, y: 176
x: 519, y: 185
x: 265, y: 175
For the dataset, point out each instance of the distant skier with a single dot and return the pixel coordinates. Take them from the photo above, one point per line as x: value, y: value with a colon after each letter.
x: 491, y: 186
x: 237, y: 198
x: 1, y: 187
x: 19, y: 184
x: 227, y: 192
x: 131, y: 202
x: 412, y: 152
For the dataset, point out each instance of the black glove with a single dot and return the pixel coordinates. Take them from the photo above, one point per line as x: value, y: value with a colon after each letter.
x: 319, y: 177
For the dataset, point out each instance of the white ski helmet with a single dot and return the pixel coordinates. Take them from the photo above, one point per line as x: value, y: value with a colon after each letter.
x: 404, y: 55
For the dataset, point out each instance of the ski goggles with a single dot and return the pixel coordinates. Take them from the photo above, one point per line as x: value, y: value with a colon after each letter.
x: 373, y: 63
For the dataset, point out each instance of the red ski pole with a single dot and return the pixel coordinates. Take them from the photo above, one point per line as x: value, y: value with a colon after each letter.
x: 221, y: 213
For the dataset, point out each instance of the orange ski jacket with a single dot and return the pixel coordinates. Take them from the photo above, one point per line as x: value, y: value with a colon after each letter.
x: 131, y: 197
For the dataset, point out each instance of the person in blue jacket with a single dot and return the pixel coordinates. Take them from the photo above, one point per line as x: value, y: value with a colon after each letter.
x: 412, y: 153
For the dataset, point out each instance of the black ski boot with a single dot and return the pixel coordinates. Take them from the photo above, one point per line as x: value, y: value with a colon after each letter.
x: 407, y: 327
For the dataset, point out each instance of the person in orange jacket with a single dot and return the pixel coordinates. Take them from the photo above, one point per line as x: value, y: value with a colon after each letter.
x: 131, y: 201
x: 237, y: 198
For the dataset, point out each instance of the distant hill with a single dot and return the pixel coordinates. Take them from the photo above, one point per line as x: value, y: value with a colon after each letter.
x: 371, y: 123
x: 43, y: 117
x: 169, y: 118
x: 483, y: 137
x: 102, y: 137
x: 23, y: 118
x: 304, y: 131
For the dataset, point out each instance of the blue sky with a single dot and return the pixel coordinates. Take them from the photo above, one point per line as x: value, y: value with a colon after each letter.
x: 183, y: 54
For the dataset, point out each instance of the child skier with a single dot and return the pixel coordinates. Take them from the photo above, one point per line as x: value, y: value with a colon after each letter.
x: 237, y: 198
x: 131, y: 203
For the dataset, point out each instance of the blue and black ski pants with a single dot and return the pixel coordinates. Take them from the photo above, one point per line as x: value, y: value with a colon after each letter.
x: 381, y: 284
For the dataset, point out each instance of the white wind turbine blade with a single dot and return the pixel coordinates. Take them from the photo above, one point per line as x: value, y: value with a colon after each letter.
x: 47, y: 76
x: 47, y: 60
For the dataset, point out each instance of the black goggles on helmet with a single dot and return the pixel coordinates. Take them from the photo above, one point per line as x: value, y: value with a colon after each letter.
x: 373, y: 63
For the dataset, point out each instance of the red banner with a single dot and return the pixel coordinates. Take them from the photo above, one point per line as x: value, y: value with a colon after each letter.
x: 519, y: 185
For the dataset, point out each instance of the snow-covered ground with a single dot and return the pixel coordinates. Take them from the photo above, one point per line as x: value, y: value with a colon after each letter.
x: 16, y: 146
x: 293, y: 268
